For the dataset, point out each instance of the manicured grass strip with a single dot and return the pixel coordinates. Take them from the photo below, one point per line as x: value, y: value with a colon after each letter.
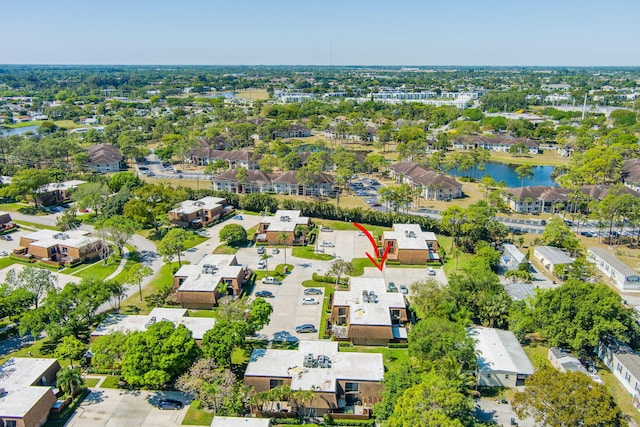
x: 196, y: 416
x: 91, y: 382
x: 223, y: 249
x: 308, y: 252
x: 110, y: 382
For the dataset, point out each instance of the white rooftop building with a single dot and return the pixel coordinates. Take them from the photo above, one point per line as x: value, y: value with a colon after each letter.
x: 337, y: 379
x: 134, y: 323
x: 26, y: 394
x: 501, y: 359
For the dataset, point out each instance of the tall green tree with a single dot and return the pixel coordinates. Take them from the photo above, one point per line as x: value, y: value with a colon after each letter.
x: 578, y: 315
x: 173, y: 244
x: 28, y: 182
x: 557, y: 399
x: 70, y: 380
x: 435, y: 401
x: 159, y: 354
x: 119, y: 229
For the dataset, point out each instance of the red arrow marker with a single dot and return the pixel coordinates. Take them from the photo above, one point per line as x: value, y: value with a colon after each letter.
x: 375, y: 248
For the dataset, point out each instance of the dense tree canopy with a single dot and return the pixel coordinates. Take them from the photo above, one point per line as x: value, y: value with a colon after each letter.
x: 557, y: 399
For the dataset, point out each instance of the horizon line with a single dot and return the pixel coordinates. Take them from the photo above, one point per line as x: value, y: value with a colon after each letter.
x: 314, y: 65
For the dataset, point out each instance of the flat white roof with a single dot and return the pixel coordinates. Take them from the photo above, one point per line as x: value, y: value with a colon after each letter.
x: 72, y: 243
x: 240, y: 422
x: 410, y: 236
x: 17, y: 376
x: 64, y: 185
x: 205, y: 276
x: 285, y: 220
x: 50, y: 234
x: 553, y: 255
x: 133, y: 323
x: 191, y: 206
x: 369, y: 313
x: 345, y: 366
x: 499, y: 350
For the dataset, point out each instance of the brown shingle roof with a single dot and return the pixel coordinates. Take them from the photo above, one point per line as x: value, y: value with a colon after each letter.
x: 424, y: 176
x: 104, y: 153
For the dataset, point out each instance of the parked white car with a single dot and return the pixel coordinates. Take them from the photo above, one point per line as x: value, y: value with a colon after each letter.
x: 309, y: 301
x: 271, y: 281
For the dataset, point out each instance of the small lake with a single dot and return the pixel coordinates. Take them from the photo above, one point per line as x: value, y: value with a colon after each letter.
x: 18, y: 131
x: 507, y: 173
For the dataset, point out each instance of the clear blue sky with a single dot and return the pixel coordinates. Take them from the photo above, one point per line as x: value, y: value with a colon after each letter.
x: 392, y: 32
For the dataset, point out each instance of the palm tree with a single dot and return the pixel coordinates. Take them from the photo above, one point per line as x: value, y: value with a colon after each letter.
x: 69, y: 380
x: 282, y: 238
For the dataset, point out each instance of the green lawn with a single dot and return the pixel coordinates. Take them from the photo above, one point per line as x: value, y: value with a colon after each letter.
x: 110, y: 382
x: 40, y: 348
x: 223, y: 249
x: 620, y: 394
x: 375, y: 230
x: 278, y: 273
x: 308, y: 252
x: 202, y: 313
x: 196, y: 416
x: 133, y: 305
x: 91, y: 382
x: 359, y: 264
x: 194, y: 240
x: 98, y: 270
x: 34, y: 225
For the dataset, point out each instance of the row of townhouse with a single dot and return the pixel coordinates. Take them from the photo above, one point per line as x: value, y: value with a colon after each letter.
x: 539, y: 199
x: 433, y: 185
x: 204, y: 154
x: 493, y: 143
x: 286, y: 183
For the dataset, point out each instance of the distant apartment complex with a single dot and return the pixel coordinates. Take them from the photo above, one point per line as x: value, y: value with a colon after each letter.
x: 104, y: 158
x: 494, y: 143
x: 433, y: 185
x: 286, y: 183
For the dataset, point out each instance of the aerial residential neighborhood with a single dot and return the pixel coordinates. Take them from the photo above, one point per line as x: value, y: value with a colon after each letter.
x: 302, y: 239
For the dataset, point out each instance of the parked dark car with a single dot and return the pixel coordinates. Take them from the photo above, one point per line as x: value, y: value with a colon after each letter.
x: 264, y: 294
x: 170, y: 404
x: 306, y: 328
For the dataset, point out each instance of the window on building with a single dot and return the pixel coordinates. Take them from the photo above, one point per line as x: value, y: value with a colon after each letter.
x: 619, y: 368
x: 350, y: 387
x: 342, y: 311
x: 10, y: 423
x: 275, y: 383
x: 627, y: 376
x: 506, y: 377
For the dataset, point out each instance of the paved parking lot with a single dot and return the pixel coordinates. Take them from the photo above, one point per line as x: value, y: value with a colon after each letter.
x: 345, y: 244
x: 288, y: 311
x: 490, y: 411
x: 116, y: 408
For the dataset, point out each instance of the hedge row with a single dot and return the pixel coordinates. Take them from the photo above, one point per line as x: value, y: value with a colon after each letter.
x: 318, y: 209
